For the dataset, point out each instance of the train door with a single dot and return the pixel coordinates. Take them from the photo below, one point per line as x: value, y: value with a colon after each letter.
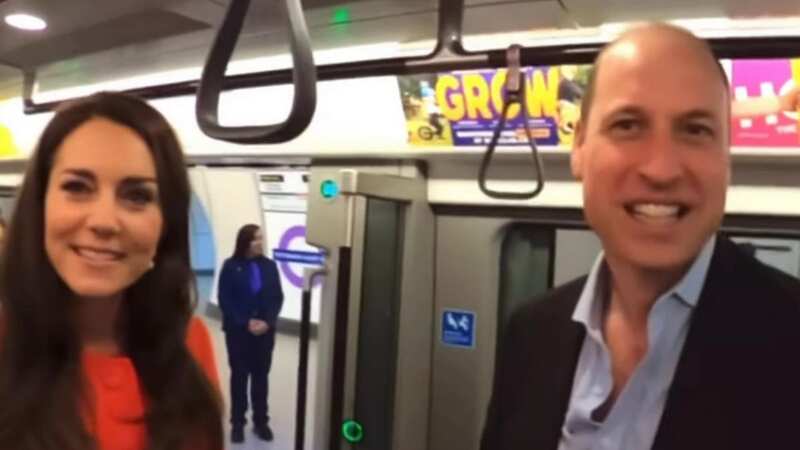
x: 488, y: 262
x: 376, y: 313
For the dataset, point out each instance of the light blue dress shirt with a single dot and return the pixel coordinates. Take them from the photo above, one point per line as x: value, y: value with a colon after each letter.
x: 632, y: 422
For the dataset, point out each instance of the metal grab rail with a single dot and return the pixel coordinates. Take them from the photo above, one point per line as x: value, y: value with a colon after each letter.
x: 309, y: 276
x: 303, y: 77
x: 515, y: 94
x: 449, y: 55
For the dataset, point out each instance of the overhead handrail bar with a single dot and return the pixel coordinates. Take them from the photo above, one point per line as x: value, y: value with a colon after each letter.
x: 456, y: 58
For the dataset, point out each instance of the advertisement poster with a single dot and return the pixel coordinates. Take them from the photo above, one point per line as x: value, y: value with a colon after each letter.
x: 7, y: 146
x: 753, y: 78
x: 463, y: 108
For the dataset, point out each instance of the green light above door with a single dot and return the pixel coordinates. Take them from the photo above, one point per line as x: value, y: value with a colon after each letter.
x: 340, y: 15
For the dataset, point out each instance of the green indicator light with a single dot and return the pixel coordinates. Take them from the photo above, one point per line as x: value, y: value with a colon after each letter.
x: 340, y: 15
x: 329, y: 189
x: 352, y: 431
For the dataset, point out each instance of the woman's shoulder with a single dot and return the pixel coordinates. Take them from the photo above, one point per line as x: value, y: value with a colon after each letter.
x: 228, y: 261
x: 198, y: 340
x: 197, y: 333
x: 230, y: 265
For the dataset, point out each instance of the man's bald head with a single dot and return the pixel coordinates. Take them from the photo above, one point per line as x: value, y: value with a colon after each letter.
x: 654, y: 156
x: 643, y: 36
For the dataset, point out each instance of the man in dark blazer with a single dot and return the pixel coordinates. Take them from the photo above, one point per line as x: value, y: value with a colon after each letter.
x: 250, y: 297
x: 677, y: 339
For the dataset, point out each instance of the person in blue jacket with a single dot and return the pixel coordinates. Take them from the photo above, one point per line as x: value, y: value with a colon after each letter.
x: 250, y: 297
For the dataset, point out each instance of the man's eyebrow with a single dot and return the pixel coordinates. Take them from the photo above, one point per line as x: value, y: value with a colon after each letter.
x: 698, y: 114
x: 631, y: 111
x: 626, y: 109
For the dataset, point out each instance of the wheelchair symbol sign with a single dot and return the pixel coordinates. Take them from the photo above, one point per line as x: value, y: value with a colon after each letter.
x: 458, y: 328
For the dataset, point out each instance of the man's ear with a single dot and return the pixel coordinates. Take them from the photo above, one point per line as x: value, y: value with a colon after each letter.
x: 578, y: 149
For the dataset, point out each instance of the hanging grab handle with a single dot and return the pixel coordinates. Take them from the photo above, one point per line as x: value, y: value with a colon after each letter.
x: 304, y: 77
x: 515, y: 93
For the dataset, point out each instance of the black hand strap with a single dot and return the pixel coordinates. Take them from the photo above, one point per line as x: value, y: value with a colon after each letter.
x: 304, y: 78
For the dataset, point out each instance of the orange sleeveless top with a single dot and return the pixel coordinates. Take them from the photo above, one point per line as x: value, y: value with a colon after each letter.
x: 119, y: 403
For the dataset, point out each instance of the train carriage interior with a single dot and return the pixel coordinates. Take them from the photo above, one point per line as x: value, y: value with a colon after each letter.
x: 360, y: 136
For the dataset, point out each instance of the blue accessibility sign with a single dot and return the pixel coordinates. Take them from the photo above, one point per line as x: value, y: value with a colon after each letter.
x: 458, y: 328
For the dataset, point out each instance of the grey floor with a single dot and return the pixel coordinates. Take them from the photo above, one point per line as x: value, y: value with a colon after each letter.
x: 282, y: 395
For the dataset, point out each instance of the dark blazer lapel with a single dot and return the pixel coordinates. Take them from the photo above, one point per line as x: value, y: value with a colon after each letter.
x: 569, y: 348
x: 557, y: 341
x: 690, y: 410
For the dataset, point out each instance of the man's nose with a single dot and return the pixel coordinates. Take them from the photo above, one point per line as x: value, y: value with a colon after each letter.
x: 661, y: 165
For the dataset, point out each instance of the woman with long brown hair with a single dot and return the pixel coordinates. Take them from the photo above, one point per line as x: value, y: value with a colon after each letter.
x: 250, y: 297
x: 99, y: 349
